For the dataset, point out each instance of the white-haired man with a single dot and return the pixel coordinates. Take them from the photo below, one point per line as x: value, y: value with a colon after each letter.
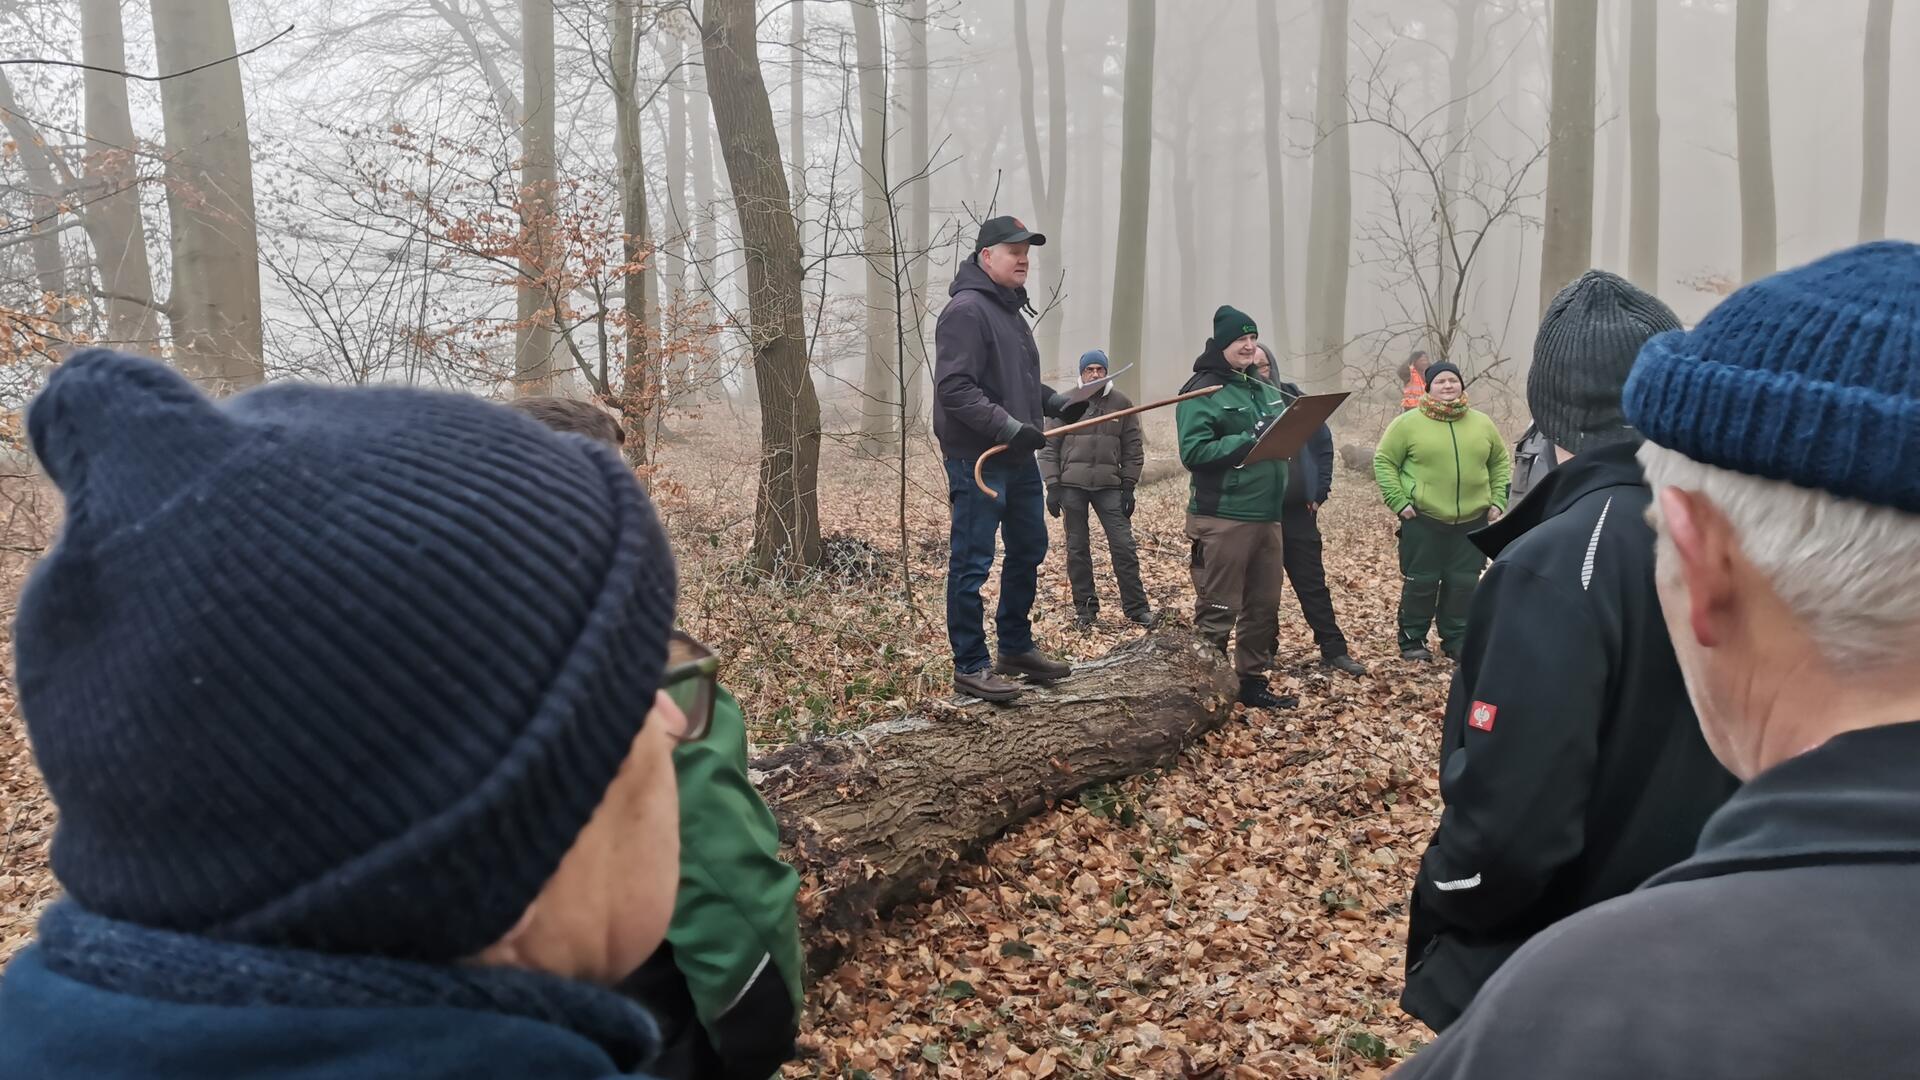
x: 1783, y: 450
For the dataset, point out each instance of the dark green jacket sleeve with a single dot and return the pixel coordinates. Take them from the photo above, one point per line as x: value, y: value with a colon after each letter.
x: 734, y: 921
x: 1205, y: 442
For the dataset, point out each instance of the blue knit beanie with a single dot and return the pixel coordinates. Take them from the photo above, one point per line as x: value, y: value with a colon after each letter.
x: 1811, y: 376
x: 344, y: 670
x: 1092, y: 357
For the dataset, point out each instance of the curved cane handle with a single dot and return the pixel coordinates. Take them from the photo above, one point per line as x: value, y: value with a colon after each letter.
x: 979, y: 479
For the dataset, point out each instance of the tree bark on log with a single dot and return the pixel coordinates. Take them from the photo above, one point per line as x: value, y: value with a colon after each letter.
x: 874, y: 817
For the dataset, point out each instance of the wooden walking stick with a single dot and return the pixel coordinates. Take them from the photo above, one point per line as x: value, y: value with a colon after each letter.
x: 979, y: 478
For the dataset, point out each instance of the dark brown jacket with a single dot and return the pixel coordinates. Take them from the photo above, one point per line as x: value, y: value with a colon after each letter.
x: 1108, y: 455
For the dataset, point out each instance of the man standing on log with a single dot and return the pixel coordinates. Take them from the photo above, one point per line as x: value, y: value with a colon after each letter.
x: 1233, y: 516
x: 1099, y: 469
x: 1572, y: 765
x: 987, y: 392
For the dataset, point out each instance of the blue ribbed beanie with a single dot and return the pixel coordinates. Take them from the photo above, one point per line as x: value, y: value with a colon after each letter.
x: 1091, y: 357
x: 345, y: 670
x: 1810, y: 375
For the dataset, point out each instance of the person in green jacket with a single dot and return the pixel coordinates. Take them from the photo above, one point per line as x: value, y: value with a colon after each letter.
x: 1233, y: 514
x: 727, y: 985
x: 1445, y: 470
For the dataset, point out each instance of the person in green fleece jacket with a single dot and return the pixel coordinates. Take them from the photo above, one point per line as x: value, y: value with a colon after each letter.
x: 1233, y: 516
x: 726, y: 986
x: 1445, y: 470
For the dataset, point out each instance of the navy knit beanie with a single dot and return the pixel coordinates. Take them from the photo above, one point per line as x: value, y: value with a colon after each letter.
x: 344, y: 670
x: 1092, y: 357
x: 1444, y: 367
x: 1583, y: 354
x: 1811, y: 376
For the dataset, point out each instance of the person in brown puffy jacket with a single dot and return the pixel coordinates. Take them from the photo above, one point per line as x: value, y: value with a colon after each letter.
x: 1098, y: 469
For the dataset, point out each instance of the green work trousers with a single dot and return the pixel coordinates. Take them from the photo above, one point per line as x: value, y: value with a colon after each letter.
x: 1439, y: 567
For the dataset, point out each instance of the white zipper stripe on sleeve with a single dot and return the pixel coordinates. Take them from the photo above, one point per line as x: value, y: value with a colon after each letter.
x: 1593, y: 546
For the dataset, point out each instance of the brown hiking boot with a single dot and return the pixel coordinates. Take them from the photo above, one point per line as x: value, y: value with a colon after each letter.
x: 1034, y: 665
x: 985, y: 685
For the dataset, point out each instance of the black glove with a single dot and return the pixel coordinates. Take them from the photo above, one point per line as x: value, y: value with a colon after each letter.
x: 1126, y: 500
x: 1260, y: 427
x: 1028, y: 438
x: 1057, y: 406
x: 1053, y: 500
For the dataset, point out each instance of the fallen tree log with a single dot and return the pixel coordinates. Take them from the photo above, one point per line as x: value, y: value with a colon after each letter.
x: 873, y: 817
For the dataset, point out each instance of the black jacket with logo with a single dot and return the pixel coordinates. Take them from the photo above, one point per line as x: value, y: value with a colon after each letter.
x: 1783, y: 949
x: 1572, y: 766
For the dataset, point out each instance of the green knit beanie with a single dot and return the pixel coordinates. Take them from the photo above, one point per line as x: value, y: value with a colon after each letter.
x: 1230, y: 324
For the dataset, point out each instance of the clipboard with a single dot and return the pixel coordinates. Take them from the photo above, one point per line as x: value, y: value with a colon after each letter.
x: 1295, y: 426
x: 1084, y: 391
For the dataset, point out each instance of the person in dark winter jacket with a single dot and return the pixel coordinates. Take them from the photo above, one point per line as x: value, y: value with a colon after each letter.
x: 1533, y: 459
x: 1309, y: 484
x: 1233, y: 515
x: 1572, y: 767
x: 987, y: 392
x: 358, y: 710
x: 1788, y: 558
x: 1098, y: 469
x: 726, y: 986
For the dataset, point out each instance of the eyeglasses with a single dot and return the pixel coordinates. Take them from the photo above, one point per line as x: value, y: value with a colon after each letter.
x: 691, y: 681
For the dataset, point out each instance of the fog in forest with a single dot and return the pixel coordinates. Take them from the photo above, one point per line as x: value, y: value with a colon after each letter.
x: 396, y: 149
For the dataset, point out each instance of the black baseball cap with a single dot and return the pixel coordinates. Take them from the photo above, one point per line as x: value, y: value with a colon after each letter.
x: 1007, y: 230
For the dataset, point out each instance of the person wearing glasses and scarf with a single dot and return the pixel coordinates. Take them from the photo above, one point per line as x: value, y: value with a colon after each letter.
x: 1444, y: 469
x: 726, y: 986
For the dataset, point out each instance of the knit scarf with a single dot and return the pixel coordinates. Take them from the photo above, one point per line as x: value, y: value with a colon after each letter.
x: 1448, y: 411
x: 166, y: 966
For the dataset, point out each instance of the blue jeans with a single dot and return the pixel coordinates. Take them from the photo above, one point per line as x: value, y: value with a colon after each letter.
x: 1019, y: 516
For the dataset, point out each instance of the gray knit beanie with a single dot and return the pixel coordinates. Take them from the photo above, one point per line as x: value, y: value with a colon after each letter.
x: 1585, y: 350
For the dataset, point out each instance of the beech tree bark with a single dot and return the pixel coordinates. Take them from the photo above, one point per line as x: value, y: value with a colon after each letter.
x: 912, y: 34
x: 1758, y: 229
x: 1330, y: 229
x: 43, y: 228
x: 1875, y: 72
x: 1567, y: 245
x: 639, y: 376
x: 534, y: 339
x: 112, y: 214
x: 1048, y: 183
x: 786, y: 519
x: 216, y: 251
x: 879, y: 390
x: 1125, y: 333
x: 1267, y: 44
x: 1643, y: 110
x: 874, y: 817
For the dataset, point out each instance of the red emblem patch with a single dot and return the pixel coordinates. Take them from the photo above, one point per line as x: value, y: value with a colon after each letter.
x: 1481, y: 716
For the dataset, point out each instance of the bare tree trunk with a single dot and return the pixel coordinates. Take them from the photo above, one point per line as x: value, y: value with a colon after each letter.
x: 1567, y: 244
x: 1876, y: 67
x: 639, y: 379
x: 1091, y: 314
x: 1049, y: 182
x: 1267, y: 44
x: 1329, y: 230
x: 912, y: 27
x: 1466, y: 42
x: 878, y: 383
x: 786, y: 521
x: 1125, y: 334
x: 797, y: 109
x: 1610, y: 213
x: 1185, y: 238
x: 43, y: 228
x: 216, y: 251
x: 706, y: 202
x: 1643, y: 106
x: 678, y: 216
x: 871, y: 816
x: 1758, y: 230
x: 534, y: 339
x: 112, y: 214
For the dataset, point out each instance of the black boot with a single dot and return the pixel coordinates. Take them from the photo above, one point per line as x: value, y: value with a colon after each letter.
x: 1255, y: 695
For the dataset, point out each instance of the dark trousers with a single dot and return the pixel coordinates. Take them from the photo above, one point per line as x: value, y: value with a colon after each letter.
x: 1301, y: 545
x: 1019, y: 518
x: 1439, y: 568
x: 1237, y: 574
x: 1105, y: 502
